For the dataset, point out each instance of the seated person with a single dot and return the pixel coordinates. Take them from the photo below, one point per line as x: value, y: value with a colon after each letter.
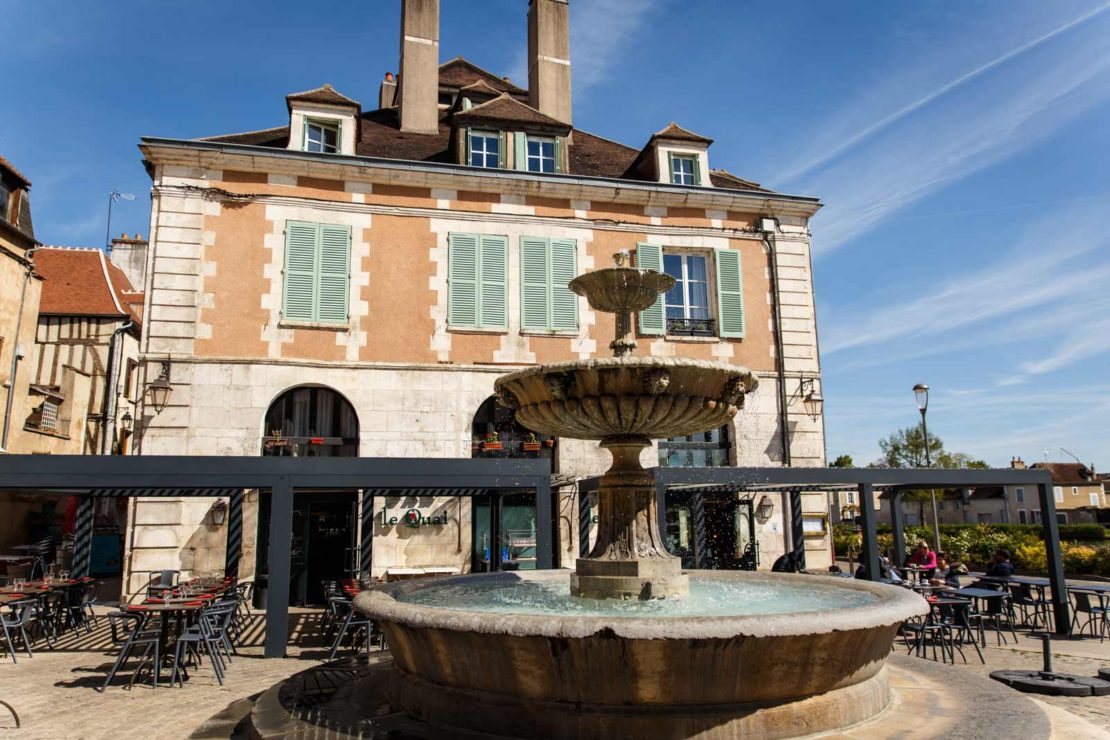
x: 888, y: 572
x: 944, y: 575
x: 1001, y: 567
x: 923, y: 557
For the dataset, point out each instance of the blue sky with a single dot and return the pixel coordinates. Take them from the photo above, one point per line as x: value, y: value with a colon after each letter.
x: 961, y: 149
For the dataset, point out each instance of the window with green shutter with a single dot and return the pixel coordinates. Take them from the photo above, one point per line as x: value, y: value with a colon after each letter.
x: 730, y: 294
x: 477, y: 281
x: 650, y: 257
x: 317, y: 275
x: 546, y: 266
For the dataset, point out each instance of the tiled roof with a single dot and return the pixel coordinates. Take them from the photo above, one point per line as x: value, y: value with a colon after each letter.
x: 673, y: 131
x: 81, y: 282
x: 459, y: 73
x: 590, y: 155
x: 480, y: 88
x: 1071, y: 474
x: 5, y: 164
x: 507, y: 109
x: 325, y: 94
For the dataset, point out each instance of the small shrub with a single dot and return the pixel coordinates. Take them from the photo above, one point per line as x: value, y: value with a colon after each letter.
x: 1080, y: 559
x: 1031, y: 557
x: 1083, y: 532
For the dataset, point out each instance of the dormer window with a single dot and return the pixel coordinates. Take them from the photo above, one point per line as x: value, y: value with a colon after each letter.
x: 321, y: 136
x: 541, y: 154
x: 485, y: 149
x: 685, y: 169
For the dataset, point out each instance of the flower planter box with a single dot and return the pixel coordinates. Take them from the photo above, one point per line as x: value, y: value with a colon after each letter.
x: 549, y: 442
x: 492, y: 446
x: 531, y: 446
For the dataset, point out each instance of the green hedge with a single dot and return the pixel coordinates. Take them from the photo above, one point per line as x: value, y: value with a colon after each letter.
x: 1069, y: 532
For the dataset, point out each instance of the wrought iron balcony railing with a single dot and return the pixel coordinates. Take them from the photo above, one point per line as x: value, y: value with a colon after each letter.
x: 691, y: 327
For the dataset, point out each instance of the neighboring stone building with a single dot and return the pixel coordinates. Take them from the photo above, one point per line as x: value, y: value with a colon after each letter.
x: 1078, y: 492
x: 351, y: 283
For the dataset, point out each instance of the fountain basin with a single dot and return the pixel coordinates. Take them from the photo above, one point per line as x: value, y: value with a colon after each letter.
x: 626, y: 396
x: 563, y: 674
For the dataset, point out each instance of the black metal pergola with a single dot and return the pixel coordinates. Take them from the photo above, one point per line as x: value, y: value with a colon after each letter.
x: 889, y: 483
x: 186, y: 476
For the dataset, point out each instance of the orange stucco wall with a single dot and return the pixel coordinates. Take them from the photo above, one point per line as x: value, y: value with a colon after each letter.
x: 398, y: 269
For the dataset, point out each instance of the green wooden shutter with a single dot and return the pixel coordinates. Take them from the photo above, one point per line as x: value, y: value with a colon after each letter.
x: 466, y: 147
x: 502, y: 155
x: 534, y: 284
x: 520, y: 151
x: 462, y: 280
x: 730, y: 294
x: 558, y: 154
x: 564, y: 268
x: 299, y: 290
x: 670, y: 163
x: 697, y: 169
x: 650, y: 257
x: 333, y: 274
x: 493, y: 279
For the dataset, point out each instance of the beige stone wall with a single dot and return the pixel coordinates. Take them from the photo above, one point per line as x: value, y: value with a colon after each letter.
x: 12, y: 287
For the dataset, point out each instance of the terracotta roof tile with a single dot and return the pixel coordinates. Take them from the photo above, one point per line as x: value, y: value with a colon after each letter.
x: 76, y: 282
x: 459, y: 73
x: 507, y: 109
x: 1072, y: 474
x: 324, y: 94
x: 673, y: 131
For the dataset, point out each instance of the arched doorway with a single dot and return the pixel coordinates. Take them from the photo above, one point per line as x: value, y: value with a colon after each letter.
x: 313, y: 421
x: 504, y: 526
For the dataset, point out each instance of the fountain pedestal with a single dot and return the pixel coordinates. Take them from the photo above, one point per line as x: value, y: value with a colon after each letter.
x: 629, y: 559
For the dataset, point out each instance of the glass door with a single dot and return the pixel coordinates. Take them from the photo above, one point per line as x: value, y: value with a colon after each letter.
x: 504, y: 532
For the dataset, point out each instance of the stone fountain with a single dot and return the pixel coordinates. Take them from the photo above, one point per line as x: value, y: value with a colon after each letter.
x: 628, y: 645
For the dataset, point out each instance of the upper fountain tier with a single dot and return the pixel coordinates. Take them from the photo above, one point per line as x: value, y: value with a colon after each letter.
x: 625, y: 396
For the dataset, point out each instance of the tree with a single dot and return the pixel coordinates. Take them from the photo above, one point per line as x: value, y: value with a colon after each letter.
x: 906, y: 448
x: 842, y: 461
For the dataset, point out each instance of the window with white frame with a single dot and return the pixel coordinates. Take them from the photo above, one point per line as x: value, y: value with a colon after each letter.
x: 1061, y: 517
x: 1058, y: 493
x: 1019, y: 495
x: 1075, y: 490
x: 541, y: 154
x: 1023, y: 516
x: 684, y: 169
x: 321, y: 136
x: 687, y: 303
x: 1094, y: 500
x: 485, y: 149
x: 1036, y: 514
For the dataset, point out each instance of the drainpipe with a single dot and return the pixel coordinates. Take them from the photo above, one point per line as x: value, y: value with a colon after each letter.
x: 776, y: 317
x: 30, y: 265
x: 108, y: 411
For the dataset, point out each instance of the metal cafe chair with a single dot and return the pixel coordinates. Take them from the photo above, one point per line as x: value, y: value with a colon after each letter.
x: 352, y: 621
x: 1024, y: 598
x: 956, y: 619
x: 16, y: 623
x: 1084, y: 605
x: 144, y: 632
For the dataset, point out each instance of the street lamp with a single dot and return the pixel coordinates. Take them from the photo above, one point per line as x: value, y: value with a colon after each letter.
x: 811, y: 398
x: 160, y: 389
x: 126, y: 422
x: 112, y: 198
x: 921, y: 393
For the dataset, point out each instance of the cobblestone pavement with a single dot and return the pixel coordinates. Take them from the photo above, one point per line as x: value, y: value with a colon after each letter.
x: 55, y: 697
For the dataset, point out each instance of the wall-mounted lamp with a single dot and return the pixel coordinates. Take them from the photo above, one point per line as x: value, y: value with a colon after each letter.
x: 765, y: 509
x: 126, y: 422
x: 811, y: 397
x: 218, y: 512
x: 159, y: 391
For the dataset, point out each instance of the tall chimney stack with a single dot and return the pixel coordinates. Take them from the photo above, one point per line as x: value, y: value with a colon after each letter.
x: 549, y: 58
x: 419, y: 91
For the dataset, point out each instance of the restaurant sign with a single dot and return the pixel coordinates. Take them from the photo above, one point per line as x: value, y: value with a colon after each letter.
x: 413, y: 519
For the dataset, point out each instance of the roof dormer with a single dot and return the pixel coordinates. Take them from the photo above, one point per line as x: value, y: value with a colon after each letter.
x: 677, y: 156
x: 323, y: 121
x: 504, y: 133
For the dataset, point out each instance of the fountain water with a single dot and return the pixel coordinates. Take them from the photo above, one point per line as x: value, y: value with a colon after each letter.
x: 625, y: 647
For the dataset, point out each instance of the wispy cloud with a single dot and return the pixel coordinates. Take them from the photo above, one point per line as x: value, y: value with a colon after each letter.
x: 1027, y: 276
x: 975, y: 120
x: 601, y: 32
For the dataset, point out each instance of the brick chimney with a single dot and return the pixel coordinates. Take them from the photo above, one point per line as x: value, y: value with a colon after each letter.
x: 549, y: 58
x: 387, y: 93
x: 1017, y: 463
x: 128, y: 253
x: 419, y: 91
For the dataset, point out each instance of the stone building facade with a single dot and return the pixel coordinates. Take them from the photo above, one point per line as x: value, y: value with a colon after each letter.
x: 403, y: 258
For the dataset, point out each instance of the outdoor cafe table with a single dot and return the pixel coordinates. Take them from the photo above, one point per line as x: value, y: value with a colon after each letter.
x: 173, y: 613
